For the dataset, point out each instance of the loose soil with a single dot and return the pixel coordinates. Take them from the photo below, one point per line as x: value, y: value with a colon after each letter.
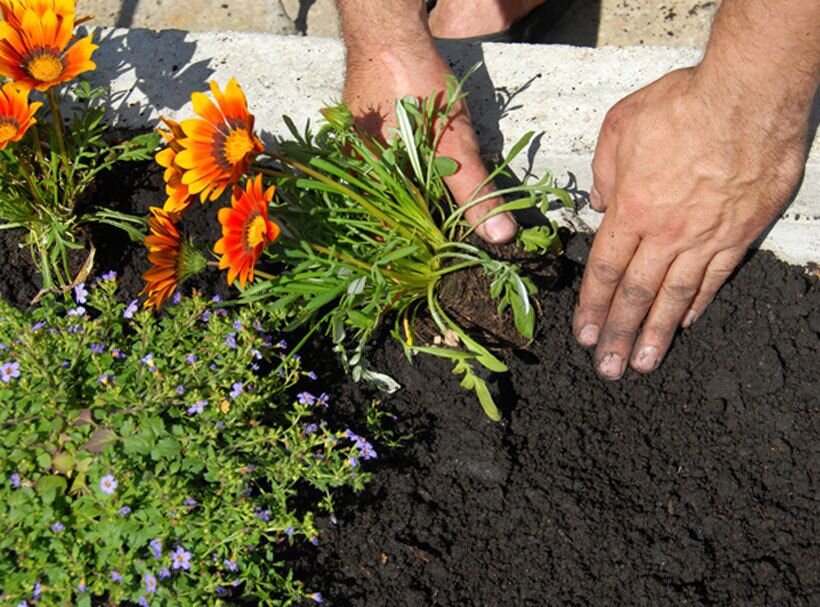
x: 695, y: 485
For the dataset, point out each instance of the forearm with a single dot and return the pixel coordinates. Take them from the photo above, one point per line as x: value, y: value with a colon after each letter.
x: 767, y: 52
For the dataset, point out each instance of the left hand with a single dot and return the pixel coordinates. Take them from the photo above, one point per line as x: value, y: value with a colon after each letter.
x: 687, y: 180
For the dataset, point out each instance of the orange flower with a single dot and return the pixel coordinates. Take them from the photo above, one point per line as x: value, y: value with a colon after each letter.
x: 219, y: 146
x: 179, y: 198
x: 246, y: 230
x: 173, y: 259
x: 33, y: 40
x: 16, y: 114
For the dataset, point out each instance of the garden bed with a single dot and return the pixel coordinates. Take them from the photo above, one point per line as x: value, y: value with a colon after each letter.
x: 694, y: 485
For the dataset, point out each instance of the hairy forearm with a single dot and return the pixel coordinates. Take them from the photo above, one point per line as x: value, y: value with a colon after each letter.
x: 766, y: 49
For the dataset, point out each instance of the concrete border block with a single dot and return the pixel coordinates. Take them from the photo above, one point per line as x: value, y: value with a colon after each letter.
x: 560, y: 92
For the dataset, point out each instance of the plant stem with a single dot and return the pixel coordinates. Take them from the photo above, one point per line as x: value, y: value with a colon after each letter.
x: 57, y: 118
x: 269, y: 172
x: 32, y: 185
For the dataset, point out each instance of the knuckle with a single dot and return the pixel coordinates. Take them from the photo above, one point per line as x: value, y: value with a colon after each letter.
x: 605, y: 273
x: 636, y: 294
x: 618, y: 332
x: 678, y: 291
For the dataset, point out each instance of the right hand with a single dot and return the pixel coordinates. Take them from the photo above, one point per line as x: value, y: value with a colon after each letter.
x: 372, y: 85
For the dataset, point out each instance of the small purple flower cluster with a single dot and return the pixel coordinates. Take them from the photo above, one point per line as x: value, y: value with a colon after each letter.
x: 366, y: 450
x: 108, y: 484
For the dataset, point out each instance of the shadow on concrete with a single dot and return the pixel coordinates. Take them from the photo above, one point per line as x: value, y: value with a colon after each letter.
x: 301, y: 19
x: 163, y: 78
x: 126, y: 15
x: 578, y: 26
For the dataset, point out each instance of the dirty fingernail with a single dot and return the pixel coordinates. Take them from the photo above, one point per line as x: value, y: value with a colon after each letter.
x: 499, y: 228
x: 689, y: 319
x: 646, y: 359
x: 611, y: 366
x: 589, y: 335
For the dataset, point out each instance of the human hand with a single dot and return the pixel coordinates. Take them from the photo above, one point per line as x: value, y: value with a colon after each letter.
x: 372, y: 85
x: 687, y: 180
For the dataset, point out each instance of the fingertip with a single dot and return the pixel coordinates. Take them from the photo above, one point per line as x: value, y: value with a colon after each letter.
x: 498, y: 229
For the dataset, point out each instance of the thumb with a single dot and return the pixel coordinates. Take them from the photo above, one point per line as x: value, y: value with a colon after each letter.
x: 460, y: 143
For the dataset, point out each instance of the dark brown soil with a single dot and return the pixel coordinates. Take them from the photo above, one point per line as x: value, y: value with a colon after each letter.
x: 696, y: 485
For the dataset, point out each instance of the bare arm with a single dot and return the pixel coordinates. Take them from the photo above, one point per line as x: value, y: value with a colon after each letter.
x: 689, y: 171
x: 391, y: 54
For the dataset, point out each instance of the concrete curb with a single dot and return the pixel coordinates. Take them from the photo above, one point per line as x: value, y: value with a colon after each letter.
x: 560, y: 92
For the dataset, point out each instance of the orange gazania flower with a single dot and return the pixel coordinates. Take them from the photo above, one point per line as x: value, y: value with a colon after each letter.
x: 33, y: 43
x: 246, y: 230
x: 179, y: 198
x: 16, y: 113
x: 218, y: 146
x: 172, y: 258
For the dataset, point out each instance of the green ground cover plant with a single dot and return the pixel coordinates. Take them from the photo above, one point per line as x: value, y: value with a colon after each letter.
x: 159, y: 458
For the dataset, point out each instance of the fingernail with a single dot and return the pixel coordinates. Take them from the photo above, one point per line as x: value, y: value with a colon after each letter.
x: 595, y: 198
x: 611, y: 366
x: 589, y: 336
x: 499, y: 228
x: 646, y: 360
x: 689, y: 319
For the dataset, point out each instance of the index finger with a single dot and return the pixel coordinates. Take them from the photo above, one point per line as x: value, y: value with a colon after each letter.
x: 611, y: 253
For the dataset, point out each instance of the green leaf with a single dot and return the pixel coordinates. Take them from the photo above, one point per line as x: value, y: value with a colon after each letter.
x: 49, y: 486
x: 166, y: 448
x: 445, y: 166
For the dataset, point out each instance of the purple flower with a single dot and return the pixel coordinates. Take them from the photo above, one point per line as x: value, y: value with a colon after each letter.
x: 65, y: 364
x: 191, y: 358
x: 14, y: 479
x: 176, y: 298
x: 81, y: 587
x: 353, y: 461
x: 254, y: 367
x: 58, y: 527
x: 130, y: 309
x: 257, y: 325
x: 116, y: 576
x: 206, y: 316
x: 190, y: 502
x: 322, y: 400
x: 312, y: 375
x: 116, y: 353
x: 3, y: 346
x: 289, y: 531
x: 349, y: 434
x: 22, y: 604
x: 106, y: 378
x: 237, y: 389
x: 156, y: 549
x: 197, y: 407
x: 256, y: 354
x: 110, y: 275
x: 80, y: 293
x: 8, y: 371
x: 74, y: 329
x: 35, y: 593
x: 230, y: 565
x: 148, y: 359
x: 108, y: 484
x: 78, y: 311
x: 237, y: 324
x: 230, y: 340
x: 263, y: 515
x: 36, y: 326
x: 314, y: 540
x: 305, y: 398
x: 124, y: 511
x: 216, y: 298
x: 181, y: 558
x: 212, y: 366
x: 366, y: 450
x: 150, y: 582
x: 143, y: 602
x: 316, y: 597
x: 180, y: 389
x: 164, y: 573
x: 282, y: 344
x: 311, y: 428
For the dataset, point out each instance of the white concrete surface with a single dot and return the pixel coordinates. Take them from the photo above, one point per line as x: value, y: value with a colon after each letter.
x: 562, y: 93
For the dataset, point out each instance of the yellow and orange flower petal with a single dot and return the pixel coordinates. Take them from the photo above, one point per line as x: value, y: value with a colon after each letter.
x: 179, y: 198
x: 246, y: 230
x: 16, y: 113
x: 164, y: 246
x: 220, y: 145
x: 34, y: 39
